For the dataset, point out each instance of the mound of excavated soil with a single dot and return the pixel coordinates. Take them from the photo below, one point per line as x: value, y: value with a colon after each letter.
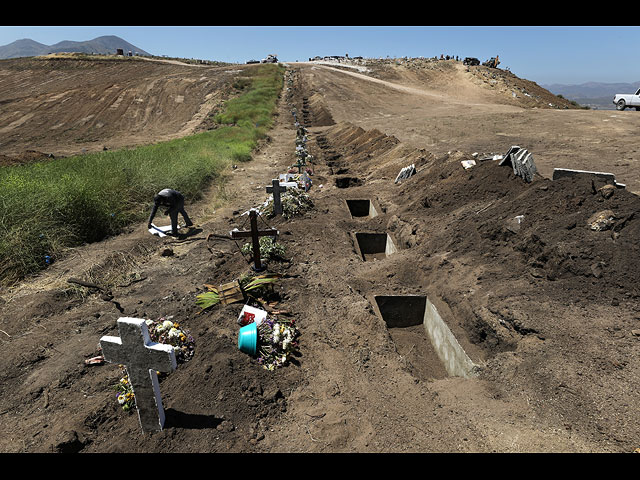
x: 544, y: 306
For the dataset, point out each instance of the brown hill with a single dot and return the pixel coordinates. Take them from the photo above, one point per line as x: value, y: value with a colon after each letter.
x: 66, y: 104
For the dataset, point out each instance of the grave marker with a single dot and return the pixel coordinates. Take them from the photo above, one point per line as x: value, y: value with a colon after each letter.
x: 406, y: 172
x: 142, y: 358
x: 521, y: 161
x: 254, y: 234
x: 276, y: 188
x: 603, y: 176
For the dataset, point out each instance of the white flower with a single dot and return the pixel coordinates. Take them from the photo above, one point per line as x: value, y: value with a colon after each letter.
x: 174, y: 333
x: 166, y: 325
x: 121, y: 399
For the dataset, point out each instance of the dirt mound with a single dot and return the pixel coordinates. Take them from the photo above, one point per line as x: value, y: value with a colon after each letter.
x: 30, y: 156
x: 474, y: 83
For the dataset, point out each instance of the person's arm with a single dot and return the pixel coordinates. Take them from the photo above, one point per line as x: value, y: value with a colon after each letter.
x: 153, y: 214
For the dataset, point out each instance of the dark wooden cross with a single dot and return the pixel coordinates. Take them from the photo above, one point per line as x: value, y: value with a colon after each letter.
x: 275, y: 188
x: 255, y: 235
x: 142, y: 357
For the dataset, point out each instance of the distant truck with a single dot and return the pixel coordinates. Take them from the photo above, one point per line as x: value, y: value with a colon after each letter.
x: 471, y: 61
x: 270, y: 59
x: 624, y: 100
x: 493, y: 62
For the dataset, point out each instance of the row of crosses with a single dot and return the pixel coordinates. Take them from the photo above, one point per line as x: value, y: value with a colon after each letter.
x: 144, y: 358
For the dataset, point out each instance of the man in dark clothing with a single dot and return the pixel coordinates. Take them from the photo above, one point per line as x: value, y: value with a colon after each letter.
x: 174, y: 201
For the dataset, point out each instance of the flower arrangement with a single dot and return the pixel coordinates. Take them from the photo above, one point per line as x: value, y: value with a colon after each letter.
x: 163, y: 331
x: 269, y: 248
x: 277, y: 341
x: 125, y: 394
x: 294, y: 202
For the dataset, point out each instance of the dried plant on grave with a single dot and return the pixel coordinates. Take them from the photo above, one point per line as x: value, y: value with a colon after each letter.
x: 257, y: 287
x: 162, y: 331
x: 208, y: 299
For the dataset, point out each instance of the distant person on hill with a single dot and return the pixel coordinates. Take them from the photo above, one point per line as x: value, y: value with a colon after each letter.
x: 174, y: 201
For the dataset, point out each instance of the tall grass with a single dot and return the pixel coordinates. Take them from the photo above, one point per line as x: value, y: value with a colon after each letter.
x: 50, y: 206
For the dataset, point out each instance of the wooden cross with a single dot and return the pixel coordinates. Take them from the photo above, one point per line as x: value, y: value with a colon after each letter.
x: 142, y: 357
x: 275, y: 188
x: 300, y: 164
x: 254, y: 234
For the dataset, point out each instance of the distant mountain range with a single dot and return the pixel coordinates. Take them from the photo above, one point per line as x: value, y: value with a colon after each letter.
x: 593, y: 94
x: 108, y: 44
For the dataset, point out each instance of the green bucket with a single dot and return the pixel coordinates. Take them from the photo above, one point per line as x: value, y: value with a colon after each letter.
x: 248, y: 339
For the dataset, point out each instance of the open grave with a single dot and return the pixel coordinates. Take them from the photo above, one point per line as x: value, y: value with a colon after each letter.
x: 374, y: 246
x: 346, y: 182
x: 361, y: 208
x: 422, y: 337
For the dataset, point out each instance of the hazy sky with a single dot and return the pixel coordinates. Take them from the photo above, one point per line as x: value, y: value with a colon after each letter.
x: 543, y: 54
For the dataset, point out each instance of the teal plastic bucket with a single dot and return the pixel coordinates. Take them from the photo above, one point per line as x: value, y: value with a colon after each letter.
x: 248, y: 339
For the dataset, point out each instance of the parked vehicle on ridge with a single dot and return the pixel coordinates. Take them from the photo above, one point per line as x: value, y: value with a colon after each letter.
x: 624, y: 100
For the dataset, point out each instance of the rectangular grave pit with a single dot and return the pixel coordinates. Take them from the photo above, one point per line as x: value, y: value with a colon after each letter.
x: 361, y: 208
x: 422, y: 336
x: 374, y: 246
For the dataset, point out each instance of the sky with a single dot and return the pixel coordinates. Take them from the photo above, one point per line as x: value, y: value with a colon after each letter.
x: 543, y: 54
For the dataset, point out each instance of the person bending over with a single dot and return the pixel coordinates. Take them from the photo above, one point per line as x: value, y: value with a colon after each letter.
x: 174, y: 201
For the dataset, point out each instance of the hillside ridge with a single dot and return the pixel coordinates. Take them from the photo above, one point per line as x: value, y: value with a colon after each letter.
x: 106, y: 44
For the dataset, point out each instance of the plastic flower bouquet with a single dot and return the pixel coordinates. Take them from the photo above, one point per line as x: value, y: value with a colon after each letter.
x: 277, y: 341
x: 165, y: 331
x: 125, y: 391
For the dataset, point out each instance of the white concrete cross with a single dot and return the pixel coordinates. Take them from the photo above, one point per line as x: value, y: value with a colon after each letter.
x: 142, y: 357
x: 276, y: 188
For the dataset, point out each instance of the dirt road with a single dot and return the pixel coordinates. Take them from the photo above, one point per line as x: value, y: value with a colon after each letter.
x: 459, y: 114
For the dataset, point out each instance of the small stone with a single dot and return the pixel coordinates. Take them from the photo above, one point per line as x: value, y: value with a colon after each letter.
x: 226, y: 426
x: 601, y: 220
x: 607, y: 191
x: 596, y: 269
x: 272, y: 395
x: 167, y: 252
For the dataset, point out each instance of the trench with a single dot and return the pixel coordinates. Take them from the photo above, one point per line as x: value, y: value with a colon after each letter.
x: 422, y: 337
x: 346, y: 182
x: 361, y: 208
x: 375, y: 246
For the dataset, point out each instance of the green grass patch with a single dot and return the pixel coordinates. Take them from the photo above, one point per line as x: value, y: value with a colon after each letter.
x: 48, y: 207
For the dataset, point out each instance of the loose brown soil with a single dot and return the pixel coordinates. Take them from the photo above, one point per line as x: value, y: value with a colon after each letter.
x: 548, y: 309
